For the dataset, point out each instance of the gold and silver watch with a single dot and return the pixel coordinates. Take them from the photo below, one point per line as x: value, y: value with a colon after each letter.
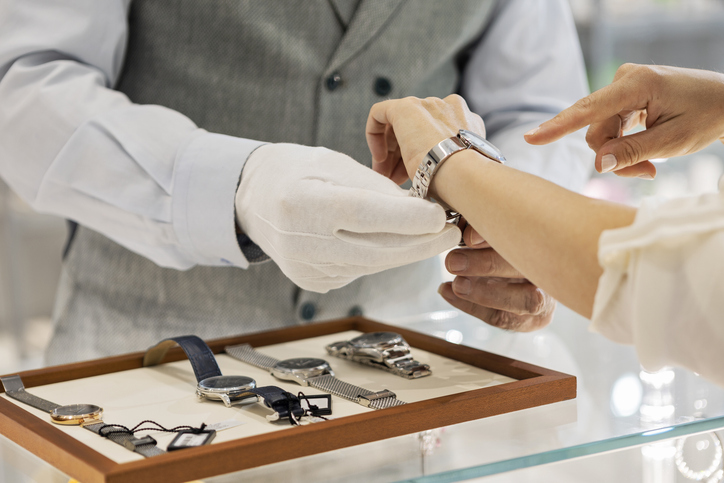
x: 313, y: 372
x: 88, y: 416
x: 383, y: 350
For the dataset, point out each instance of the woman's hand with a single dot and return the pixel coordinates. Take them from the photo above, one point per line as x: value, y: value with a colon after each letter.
x: 400, y: 132
x: 682, y: 110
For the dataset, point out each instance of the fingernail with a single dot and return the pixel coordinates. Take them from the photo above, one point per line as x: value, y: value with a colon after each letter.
x: 532, y: 131
x: 608, y: 162
x: 645, y: 176
x: 461, y: 286
x: 457, y: 262
x: 476, y: 239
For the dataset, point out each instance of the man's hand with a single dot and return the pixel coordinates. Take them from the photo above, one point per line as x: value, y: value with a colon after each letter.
x: 680, y: 108
x: 326, y: 220
x: 489, y: 288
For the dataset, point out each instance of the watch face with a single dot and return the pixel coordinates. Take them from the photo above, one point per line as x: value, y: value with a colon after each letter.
x: 226, y: 383
x: 76, y: 410
x: 300, y: 364
x: 75, y: 413
x: 483, y: 146
x: 374, y: 339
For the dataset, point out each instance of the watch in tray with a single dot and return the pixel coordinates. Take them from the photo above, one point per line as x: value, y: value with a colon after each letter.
x: 211, y: 384
x: 87, y: 416
x: 384, y: 350
x: 317, y: 373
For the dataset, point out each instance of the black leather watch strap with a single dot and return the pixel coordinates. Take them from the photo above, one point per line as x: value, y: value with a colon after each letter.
x: 279, y: 400
x: 15, y: 389
x: 201, y: 358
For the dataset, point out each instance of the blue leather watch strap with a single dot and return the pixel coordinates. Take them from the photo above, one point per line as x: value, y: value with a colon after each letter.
x: 201, y: 358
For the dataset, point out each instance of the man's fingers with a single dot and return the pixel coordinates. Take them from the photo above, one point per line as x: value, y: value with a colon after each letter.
x: 597, y: 107
x: 473, y: 239
x: 517, y: 298
x: 644, y: 170
x: 600, y: 133
x: 480, y: 263
x: 497, y: 318
x: 660, y: 141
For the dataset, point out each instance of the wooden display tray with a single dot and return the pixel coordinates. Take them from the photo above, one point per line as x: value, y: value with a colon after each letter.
x: 535, y: 386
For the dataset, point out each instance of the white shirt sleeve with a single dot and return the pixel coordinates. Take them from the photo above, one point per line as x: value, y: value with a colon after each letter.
x: 143, y: 175
x: 662, y: 288
x: 528, y: 67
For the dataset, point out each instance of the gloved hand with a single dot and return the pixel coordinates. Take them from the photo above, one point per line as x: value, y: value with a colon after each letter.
x: 326, y: 219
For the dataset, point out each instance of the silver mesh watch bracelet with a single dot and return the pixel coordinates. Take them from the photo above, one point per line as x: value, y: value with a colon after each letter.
x: 328, y: 383
x: 15, y: 389
x: 145, y: 446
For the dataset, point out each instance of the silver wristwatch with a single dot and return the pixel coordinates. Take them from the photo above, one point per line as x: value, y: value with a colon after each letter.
x: 384, y: 350
x: 442, y: 151
x: 313, y: 372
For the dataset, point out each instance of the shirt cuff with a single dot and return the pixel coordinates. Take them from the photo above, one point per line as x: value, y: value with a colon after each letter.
x: 207, y: 174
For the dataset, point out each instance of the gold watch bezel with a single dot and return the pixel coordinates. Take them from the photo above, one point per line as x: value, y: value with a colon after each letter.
x: 77, y: 419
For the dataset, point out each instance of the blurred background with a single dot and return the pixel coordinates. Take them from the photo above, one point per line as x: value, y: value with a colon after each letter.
x: 686, y: 33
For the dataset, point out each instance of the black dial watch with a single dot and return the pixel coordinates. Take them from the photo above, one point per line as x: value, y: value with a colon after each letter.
x: 211, y: 384
x: 88, y: 416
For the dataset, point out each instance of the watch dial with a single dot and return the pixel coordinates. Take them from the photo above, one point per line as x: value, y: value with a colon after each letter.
x: 483, y: 145
x: 300, y: 363
x: 227, y: 383
x: 76, y: 410
x: 373, y: 339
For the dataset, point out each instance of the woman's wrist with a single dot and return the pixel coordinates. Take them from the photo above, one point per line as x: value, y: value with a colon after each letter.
x: 446, y: 182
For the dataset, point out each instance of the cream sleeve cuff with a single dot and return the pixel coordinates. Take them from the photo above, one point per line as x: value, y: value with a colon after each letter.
x: 207, y: 175
x: 662, y: 289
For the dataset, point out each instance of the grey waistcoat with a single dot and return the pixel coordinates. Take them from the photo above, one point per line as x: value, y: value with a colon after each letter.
x: 260, y: 69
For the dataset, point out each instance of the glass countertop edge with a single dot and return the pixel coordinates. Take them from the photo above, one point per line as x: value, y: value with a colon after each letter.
x: 563, y: 454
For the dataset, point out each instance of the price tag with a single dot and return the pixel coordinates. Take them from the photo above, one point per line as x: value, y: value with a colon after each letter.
x: 191, y: 439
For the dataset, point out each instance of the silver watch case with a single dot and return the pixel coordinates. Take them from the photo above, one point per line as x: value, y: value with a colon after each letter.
x: 384, y: 350
x: 382, y: 347
x: 442, y: 151
x: 300, y: 369
x: 481, y: 145
x: 225, y: 388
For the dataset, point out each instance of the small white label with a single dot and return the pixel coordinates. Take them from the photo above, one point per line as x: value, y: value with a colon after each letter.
x: 190, y: 439
x: 228, y: 424
x: 321, y: 403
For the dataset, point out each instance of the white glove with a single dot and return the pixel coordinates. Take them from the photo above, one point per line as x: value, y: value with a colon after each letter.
x: 326, y: 219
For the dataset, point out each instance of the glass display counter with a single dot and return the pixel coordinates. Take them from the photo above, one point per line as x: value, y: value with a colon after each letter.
x: 625, y: 423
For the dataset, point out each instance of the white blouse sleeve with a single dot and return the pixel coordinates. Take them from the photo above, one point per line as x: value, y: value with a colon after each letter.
x: 662, y: 288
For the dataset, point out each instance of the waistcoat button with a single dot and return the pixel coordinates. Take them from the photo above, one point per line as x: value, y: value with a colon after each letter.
x: 333, y: 81
x: 383, y: 86
x: 355, y: 311
x: 307, y: 311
